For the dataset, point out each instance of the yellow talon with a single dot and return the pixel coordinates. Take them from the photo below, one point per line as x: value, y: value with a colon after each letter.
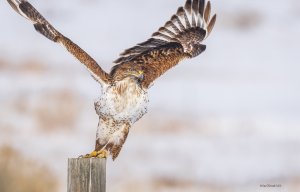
x: 102, y: 154
x: 92, y: 154
x: 96, y: 154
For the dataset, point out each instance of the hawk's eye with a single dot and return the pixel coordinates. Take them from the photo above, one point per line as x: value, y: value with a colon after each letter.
x: 130, y: 71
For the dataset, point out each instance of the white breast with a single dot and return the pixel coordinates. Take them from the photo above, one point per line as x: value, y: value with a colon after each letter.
x: 125, y: 101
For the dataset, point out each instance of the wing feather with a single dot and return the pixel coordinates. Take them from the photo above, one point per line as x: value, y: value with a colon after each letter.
x: 181, y: 37
x: 25, y: 9
x: 211, y: 24
x: 173, y: 26
x: 195, y: 13
x: 195, y: 7
x: 188, y: 6
x: 201, y: 7
x: 182, y: 13
x: 175, y: 19
x: 207, y: 12
x: 166, y: 30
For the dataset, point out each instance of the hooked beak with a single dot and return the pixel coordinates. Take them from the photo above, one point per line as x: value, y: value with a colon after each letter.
x: 137, y: 74
x: 140, y: 75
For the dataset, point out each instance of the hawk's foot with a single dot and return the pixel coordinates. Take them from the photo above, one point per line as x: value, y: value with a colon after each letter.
x: 102, y: 153
x: 96, y: 154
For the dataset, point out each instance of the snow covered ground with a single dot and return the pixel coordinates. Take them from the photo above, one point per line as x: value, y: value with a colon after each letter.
x: 228, y: 120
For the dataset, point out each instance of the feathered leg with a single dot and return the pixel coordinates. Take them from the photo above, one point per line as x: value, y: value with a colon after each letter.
x: 116, y: 142
x: 107, y: 143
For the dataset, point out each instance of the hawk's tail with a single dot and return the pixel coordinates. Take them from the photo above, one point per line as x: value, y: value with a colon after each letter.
x: 25, y: 9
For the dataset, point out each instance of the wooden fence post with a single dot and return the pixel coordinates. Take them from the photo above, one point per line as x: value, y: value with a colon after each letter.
x: 86, y: 175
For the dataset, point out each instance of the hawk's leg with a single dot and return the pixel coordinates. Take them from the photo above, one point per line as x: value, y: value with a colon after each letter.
x: 99, y: 152
x: 117, y: 140
x: 113, y: 145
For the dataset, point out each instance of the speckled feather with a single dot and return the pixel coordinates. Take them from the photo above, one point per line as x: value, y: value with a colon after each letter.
x: 119, y: 107
x: 180, y: 38
x: 25, y: 9
x: 124, y: 97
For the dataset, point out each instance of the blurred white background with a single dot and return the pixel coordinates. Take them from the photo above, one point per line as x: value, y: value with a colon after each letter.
x: 228, y: 120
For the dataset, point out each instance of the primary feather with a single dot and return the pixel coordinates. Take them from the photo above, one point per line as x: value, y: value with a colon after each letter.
x: 25, y: 9
x: 181, y: 37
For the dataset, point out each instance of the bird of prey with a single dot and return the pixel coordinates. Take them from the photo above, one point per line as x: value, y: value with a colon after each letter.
x: 124, y: 96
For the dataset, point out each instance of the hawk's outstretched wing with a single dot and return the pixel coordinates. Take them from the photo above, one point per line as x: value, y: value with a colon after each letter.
x: 25, y: 9
x: 180, y: 38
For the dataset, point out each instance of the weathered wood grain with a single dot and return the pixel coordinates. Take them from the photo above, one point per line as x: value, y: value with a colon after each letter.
x: 86, y: 175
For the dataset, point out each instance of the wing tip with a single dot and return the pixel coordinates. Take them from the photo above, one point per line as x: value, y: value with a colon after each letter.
x: 195, y: 13
x: 15, y: 4
x: 188, y: 6
x: 211, y: 24
x: 192, y: 21
x: 207, y: 11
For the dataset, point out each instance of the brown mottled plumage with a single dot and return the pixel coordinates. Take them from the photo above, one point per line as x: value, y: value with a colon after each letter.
x: 124, y: 95
x: 178, y: 39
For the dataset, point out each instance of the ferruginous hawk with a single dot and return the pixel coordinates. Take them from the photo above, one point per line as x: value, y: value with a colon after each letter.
x: 124, y: 97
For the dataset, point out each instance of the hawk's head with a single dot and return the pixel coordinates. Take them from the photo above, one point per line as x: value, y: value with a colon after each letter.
x: 134, y: 73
